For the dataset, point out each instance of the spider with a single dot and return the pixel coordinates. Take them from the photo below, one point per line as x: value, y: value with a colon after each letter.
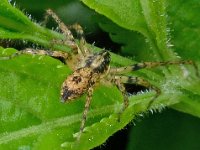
x: 90, y: 68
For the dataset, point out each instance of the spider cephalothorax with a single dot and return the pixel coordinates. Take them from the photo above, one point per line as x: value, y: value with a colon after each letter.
x: 93, y: 67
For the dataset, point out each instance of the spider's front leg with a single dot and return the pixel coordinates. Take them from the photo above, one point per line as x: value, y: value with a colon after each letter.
x: 85, y: 112
x: 70, y: 40
x: 62, y: 56
x: 61, y: 25
x: 80, y: 34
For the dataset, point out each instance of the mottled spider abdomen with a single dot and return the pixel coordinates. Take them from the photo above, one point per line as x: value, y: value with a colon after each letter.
x: 99, y: 62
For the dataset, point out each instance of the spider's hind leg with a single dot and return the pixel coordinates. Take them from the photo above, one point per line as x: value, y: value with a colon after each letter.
x: 120, y: 80
x: 121, y: 87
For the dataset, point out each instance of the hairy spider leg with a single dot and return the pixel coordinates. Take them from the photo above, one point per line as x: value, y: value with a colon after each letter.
x: 142, y: 82
x: 120, y: 86
x: 116, y: 80
x: 143, y: 65
x: 138, y: 81
x: 60, y: 55
x: 80, y: 35
x: 69, y: 41
x: 85, y: 112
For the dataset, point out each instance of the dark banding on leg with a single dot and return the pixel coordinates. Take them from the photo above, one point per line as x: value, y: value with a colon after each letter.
x: 80, y: 34
x: 142, y: 82
x: 85, y: 112
x: 69, y: 41
x: 60, y: 55
x: 143, y: 65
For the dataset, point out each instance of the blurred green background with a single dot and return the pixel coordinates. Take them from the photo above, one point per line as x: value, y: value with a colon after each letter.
x: 163, y: 131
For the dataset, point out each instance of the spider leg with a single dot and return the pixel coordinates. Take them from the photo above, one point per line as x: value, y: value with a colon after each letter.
x: 69, y: 41
x: 62, y: 56
x: 121, y: 87
x: 80, y: 34
x: 137, y: 81
x: 143, y: 65
x: 87, y: 105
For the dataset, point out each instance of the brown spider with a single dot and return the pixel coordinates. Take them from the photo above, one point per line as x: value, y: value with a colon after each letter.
x: 90, y: 68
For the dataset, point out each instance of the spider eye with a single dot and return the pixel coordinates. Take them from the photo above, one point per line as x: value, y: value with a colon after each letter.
x: 66, y: 94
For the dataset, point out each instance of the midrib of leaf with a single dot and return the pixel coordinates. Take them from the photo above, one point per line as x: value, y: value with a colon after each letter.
x: 135, y: 101
x: 52, y: 124
x: 137, y: 107
x: 154, y: 15
x: 61, y: 122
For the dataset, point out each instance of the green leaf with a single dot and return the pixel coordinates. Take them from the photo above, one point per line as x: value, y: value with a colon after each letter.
x: 31, y: 115
x: 41, y: 5
x: 31, y: 95
x: 184, y: 25
x: 144, y: 16
x: 176, y: 130
x: 184, y: 22
x: 152, y: 22
x: 15, y: 25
